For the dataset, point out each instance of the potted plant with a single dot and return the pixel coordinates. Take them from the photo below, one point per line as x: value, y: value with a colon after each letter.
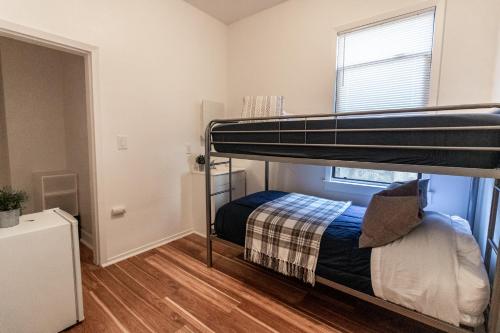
x: 200, y: 162
x: 10, y: 206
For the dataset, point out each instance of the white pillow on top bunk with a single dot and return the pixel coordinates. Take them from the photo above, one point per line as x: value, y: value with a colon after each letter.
x: 262, y: 106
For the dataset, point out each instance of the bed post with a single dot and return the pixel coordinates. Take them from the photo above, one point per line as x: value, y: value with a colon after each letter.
x: 266, y: 178
x: 230, y: 179
x: 495, y: 299
x: 491, y: 247
x: 208, y: 193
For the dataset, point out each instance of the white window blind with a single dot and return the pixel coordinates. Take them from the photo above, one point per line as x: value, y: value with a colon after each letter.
x: 385, y: 65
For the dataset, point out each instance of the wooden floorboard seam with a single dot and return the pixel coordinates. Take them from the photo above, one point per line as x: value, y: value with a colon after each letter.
x: 109, y: 312
x: 119, y: 300
x: 170, y: 289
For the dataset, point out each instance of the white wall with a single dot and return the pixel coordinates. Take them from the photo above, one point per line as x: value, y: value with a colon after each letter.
x: 76, y: 135
x: 32, y: 82
x: 157, y: 60
x: 290, y: 50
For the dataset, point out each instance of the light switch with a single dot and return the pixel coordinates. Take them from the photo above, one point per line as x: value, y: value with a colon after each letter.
x: 122, y: 142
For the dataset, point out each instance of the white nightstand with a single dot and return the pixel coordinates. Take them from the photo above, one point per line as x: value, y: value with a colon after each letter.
x: 220, y: 182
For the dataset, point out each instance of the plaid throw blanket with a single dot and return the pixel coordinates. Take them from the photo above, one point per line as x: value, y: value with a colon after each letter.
x: 285, y: 234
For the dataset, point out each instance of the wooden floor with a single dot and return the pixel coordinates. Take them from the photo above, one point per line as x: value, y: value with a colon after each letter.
x: 169, y: 289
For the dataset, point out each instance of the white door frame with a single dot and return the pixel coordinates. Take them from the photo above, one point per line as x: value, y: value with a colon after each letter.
x: 90, y: 54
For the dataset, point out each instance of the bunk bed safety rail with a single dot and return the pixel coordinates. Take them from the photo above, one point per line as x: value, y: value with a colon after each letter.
x: 438, y: 110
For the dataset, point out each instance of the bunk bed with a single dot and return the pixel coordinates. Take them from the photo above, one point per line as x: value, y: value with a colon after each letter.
x: 461, y: 140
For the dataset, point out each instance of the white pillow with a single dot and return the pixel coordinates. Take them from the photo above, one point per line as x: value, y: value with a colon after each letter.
x: 472, y: 279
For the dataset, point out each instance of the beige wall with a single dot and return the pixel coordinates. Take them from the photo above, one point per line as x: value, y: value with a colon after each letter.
x: 157, y: 60
x: 496, y: 73
x: 290, y: 50
x: 76, y: 135
x: 469, y: 51
x: 4, y: 148
x: 32, y: 82
x: 486, y: 185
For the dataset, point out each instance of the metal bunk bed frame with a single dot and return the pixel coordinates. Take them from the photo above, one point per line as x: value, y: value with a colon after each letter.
x: 491, y: 252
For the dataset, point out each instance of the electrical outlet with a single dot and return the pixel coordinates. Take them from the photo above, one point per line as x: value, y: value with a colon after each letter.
x: 118, y: 211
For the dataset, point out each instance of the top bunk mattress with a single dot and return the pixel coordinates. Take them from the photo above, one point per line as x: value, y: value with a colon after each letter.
x: 268, y: 143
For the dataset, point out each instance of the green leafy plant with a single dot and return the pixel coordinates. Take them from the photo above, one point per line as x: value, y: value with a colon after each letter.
x: 11, y: 199
x: 200, y: 159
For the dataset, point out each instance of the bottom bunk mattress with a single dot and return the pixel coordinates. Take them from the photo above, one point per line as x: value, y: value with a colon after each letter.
x: 436, y: 269
x: 340, y: 259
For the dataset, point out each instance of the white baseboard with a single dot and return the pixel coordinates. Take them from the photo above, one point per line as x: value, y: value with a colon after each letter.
x: 87, y: 239
x: 147, y: 247
x: 199, y: 234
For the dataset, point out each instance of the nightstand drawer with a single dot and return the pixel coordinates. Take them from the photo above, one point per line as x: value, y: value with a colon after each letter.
x: 221, y: 180
x: 219, y: 184
x: 221, y: 199
x: 238, y: 187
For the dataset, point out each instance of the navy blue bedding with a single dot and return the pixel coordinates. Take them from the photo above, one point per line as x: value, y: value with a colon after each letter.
x: 340, y: 259
x: 450, y: 158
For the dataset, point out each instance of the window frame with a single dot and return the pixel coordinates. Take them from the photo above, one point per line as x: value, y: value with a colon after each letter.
x: 433, y: 98
x: 439, y: 20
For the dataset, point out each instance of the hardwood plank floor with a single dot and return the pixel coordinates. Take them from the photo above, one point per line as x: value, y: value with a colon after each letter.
x: 169, y: 289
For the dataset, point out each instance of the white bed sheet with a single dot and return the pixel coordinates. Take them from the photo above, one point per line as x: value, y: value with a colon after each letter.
x: 436, y: 269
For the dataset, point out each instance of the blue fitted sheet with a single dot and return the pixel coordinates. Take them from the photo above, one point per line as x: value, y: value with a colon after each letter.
x: 340, y: 259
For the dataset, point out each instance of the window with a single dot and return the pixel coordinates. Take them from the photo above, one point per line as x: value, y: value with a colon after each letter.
x: 384, y: 65
x: 373, y: 176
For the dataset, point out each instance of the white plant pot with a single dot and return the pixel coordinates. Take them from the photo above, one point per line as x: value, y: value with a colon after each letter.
x: 9, y: 218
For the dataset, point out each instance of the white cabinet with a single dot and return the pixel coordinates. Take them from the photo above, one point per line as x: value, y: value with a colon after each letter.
x: 56, y: 189
x: 40, y: 278
x: 220, y: 183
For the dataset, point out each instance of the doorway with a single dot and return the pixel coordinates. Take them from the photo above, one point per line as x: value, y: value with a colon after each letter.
x: 47, y: 126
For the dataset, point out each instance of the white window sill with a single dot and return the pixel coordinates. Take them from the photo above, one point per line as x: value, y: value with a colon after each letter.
x: 352, y: 187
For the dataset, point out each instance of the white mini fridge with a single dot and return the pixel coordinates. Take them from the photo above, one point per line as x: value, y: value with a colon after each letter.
x: 40, y: 278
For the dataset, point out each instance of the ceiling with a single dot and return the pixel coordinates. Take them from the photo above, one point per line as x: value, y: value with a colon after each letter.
x: 229, y: 11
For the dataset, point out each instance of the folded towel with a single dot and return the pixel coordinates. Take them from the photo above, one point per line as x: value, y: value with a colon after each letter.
x: 262, y: 106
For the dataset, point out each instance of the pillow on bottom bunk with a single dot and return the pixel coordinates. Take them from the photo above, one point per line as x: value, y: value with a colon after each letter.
x: 423, y: 188
x: 436, y: 269
x: 473, y: 282
x: 391, y: 214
